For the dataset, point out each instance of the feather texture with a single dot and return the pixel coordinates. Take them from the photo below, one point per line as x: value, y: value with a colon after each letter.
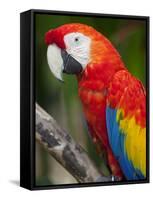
x: 125, y: 119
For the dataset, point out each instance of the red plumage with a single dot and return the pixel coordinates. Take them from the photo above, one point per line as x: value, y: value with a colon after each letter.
x: 93, y: 90
x: 95, y: 82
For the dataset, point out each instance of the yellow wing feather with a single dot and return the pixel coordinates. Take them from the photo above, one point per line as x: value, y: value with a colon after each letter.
x: 135, y: 141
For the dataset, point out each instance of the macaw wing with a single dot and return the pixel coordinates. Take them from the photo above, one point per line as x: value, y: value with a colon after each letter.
x: 126, y: 124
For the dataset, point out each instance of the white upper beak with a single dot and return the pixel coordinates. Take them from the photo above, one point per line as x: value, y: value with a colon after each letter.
x: 55, y: 61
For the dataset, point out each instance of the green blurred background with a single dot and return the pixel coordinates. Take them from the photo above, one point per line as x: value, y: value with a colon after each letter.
x: 61, y: 99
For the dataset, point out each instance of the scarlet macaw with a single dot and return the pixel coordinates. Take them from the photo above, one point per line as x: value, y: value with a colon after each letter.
x: 114, y: 101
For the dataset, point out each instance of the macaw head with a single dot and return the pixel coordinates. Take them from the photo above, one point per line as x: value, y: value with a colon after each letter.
x: 73, y: 47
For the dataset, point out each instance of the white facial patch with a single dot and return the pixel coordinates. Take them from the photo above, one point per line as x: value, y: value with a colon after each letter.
x: 55, y: 60
x: 78, y: 46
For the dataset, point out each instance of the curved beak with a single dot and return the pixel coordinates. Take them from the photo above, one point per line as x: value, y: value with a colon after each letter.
x: 60, y: 61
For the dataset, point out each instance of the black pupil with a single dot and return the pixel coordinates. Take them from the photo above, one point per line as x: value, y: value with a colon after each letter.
x: 76, y: 39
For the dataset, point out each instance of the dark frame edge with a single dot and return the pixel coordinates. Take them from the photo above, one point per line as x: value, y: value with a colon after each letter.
x: 61, y: 12
x: 25, y: 101
x: 148, y: 95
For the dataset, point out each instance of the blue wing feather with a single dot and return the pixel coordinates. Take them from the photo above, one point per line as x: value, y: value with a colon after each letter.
x: 116, y: 139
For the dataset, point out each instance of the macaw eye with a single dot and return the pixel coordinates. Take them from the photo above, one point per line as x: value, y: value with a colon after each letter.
x: 76, y: 39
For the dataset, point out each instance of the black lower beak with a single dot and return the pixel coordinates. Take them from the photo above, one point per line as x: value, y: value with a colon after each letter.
x: 71, y: 66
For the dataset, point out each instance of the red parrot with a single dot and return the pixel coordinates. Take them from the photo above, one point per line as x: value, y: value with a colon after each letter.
x: 113, y: 101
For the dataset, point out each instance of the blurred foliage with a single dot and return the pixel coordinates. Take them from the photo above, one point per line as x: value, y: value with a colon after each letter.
x: 61, y: 99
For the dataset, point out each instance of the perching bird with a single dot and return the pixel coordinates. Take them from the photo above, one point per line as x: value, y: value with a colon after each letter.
x: 114, y: 101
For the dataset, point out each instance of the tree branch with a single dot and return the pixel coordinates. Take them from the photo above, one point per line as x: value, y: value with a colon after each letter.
x: 65, y: 150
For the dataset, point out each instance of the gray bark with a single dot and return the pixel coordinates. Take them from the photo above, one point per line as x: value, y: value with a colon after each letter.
x: 65, y: 150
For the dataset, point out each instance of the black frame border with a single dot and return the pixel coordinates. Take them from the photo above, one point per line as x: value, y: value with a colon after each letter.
x: 27, y: 98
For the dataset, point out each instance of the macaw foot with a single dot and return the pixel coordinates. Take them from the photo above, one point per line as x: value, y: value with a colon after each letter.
x: 116, y: 178
x: 114, y: 167
x: 111, y: 178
